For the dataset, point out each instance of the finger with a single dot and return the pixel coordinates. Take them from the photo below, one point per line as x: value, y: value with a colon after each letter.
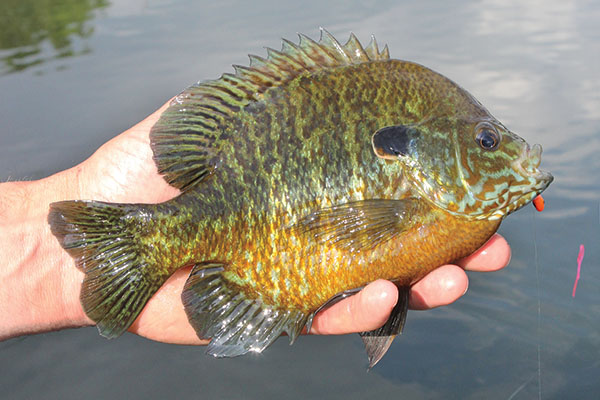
x: 164, y: 318
x: 492, y: 256
x: 365, y: 311
x: 440, y: 287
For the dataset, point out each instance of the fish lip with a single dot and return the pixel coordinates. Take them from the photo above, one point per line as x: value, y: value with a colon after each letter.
x: 529, y: 161
x: 535, y: 155
x: 527, y: 165
x: 545, y: 179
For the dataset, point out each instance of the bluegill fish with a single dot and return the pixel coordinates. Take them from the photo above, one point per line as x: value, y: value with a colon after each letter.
x: 304, y: 177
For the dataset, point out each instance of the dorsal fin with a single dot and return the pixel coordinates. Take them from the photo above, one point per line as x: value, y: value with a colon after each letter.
x: 182, y: 139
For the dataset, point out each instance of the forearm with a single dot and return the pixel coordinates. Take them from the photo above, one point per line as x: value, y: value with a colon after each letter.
x: 39, y: 283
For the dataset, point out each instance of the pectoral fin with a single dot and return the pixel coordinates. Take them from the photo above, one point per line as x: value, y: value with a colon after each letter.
x: 378, y: 342
x: 335, y: 299
x: 361, y: 224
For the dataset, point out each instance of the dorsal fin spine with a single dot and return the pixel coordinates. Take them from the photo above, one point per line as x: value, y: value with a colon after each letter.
x: 280, y: 57
x: 372, y: 49
x: 355, y: 50
x: 284, y: 62
x: 258, y: 62
x: 320, y: 53
x: 304, y: 58
x: 294, y: 51
x: 327, y: 41
x: 385, y: 53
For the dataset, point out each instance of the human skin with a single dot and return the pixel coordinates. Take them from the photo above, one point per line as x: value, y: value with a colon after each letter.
x: 41, y: 285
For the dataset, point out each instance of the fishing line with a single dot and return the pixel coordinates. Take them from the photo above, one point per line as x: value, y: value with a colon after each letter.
x: 539, y: 304
x: 523, y: 385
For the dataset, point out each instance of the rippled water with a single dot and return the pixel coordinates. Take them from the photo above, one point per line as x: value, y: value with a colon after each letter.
x: 75, y: 73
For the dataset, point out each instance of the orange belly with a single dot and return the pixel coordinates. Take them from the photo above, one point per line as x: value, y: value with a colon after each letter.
x: 290, y: 270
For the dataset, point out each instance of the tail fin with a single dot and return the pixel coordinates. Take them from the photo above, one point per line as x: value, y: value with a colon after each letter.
x: 104, y: 240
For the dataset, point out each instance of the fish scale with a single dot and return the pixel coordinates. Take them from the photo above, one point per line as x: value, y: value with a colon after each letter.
x: 304, y: 177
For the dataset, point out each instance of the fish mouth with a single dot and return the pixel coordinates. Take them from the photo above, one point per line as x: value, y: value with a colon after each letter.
x: 535, y: 180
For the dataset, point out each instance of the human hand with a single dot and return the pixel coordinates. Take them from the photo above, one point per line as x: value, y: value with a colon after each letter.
x: 370, y: 308
x: 122, y: 170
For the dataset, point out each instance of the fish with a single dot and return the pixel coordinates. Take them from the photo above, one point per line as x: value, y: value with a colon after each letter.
x: 304, y: 176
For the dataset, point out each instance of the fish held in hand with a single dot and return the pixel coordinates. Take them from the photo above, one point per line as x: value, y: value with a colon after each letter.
x: 304, y: 177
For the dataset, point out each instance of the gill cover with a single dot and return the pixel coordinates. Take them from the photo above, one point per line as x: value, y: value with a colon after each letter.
x: 395, y: 141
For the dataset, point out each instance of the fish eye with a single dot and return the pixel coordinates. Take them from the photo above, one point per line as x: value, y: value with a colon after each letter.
x: 487, y: 137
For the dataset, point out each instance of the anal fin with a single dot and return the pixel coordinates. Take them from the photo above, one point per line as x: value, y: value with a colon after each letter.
x: 378, y: 341
x: 235, y: 324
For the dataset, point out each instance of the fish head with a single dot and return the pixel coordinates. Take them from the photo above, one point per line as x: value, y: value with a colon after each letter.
x: 473, y: 167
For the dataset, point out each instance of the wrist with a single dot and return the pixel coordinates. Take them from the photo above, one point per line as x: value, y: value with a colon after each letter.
x: 40, y: 290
